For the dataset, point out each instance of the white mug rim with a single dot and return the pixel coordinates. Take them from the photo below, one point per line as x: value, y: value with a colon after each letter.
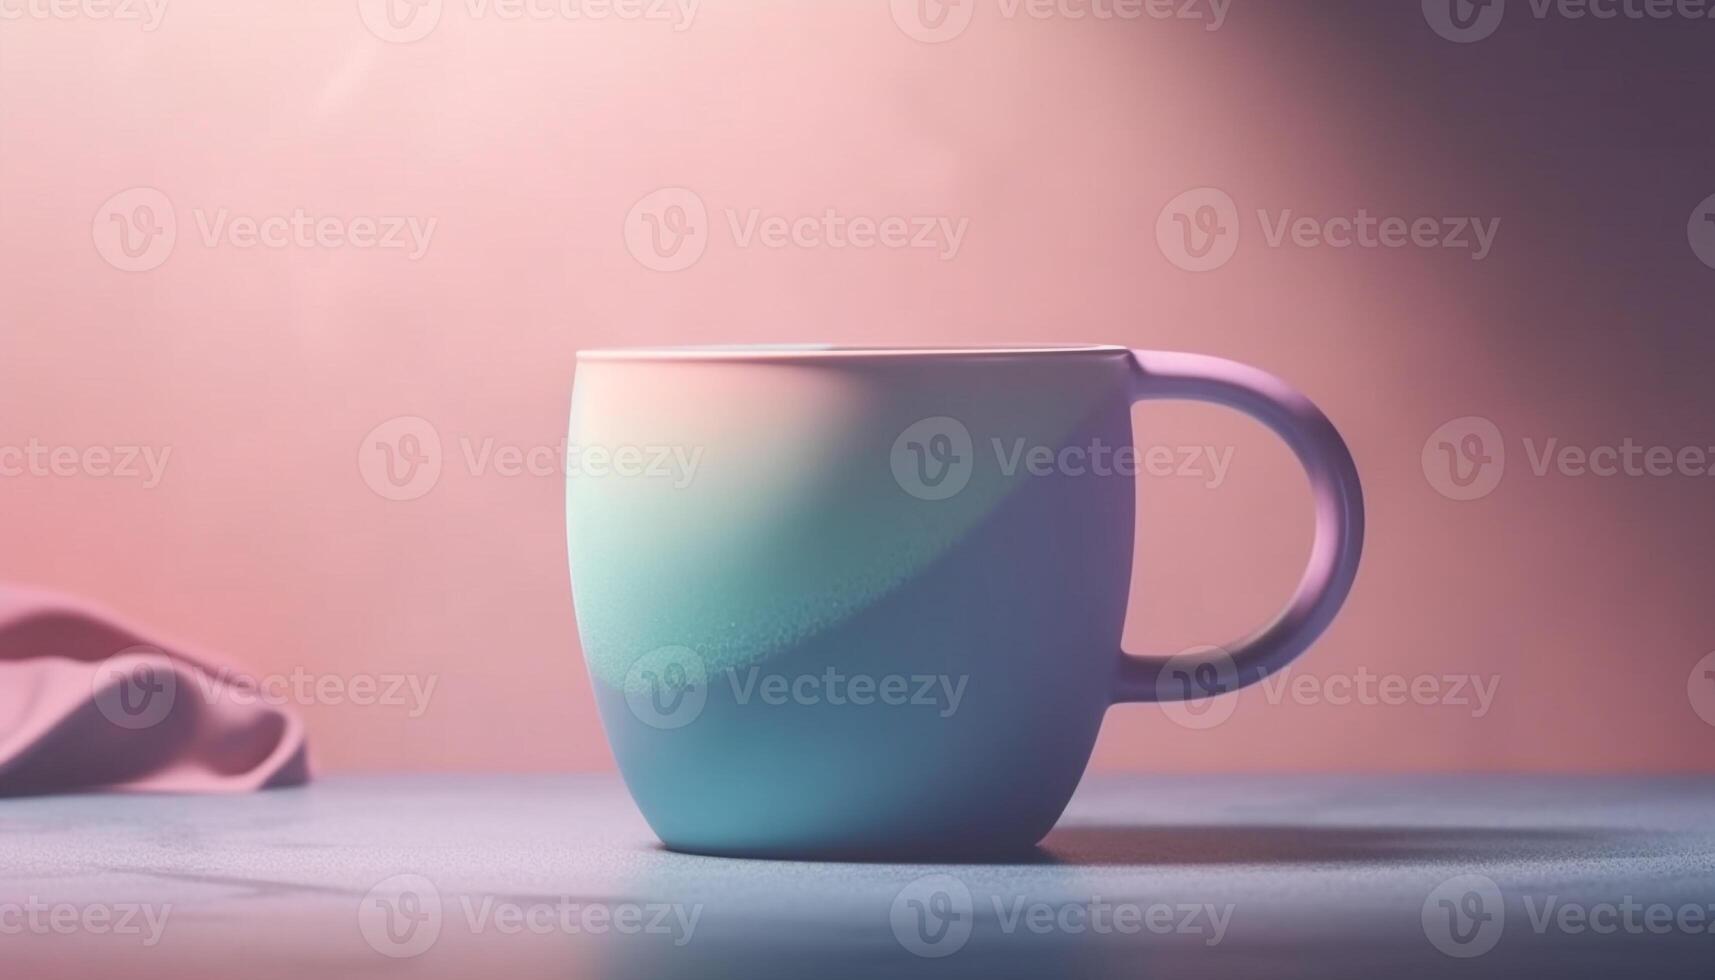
x: 817, y: 352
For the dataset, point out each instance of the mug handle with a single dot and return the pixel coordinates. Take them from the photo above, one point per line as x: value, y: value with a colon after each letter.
x: 1339, y: 539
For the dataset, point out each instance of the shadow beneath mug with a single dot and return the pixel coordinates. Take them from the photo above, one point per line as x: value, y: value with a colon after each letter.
x: 1104, y: 845
x: 847, y: 924
x: 1251, y: 844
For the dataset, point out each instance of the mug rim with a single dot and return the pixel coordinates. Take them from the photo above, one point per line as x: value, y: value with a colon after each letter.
x: 818, y: 352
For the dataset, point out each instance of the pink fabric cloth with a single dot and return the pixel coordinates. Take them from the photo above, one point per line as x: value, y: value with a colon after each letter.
x: 88, y: 702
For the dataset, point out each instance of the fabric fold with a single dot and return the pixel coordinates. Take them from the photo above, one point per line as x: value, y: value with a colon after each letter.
x: 89, y: 703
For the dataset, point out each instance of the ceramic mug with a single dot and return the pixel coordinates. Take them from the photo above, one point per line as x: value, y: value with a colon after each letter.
x: 867, y: 602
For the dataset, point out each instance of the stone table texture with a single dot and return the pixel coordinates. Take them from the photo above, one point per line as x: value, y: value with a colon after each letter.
x: 558, y: 876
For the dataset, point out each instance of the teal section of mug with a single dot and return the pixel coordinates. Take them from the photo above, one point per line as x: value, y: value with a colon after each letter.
x: 787, y: 526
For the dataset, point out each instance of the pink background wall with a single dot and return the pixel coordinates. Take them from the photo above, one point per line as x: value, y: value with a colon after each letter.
x: 528, y: 142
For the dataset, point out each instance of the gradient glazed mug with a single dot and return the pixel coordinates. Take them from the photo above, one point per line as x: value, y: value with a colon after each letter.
x: 867, y: 602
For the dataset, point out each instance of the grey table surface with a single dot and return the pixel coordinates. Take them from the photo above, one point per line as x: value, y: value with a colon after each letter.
x: 558, y: 876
